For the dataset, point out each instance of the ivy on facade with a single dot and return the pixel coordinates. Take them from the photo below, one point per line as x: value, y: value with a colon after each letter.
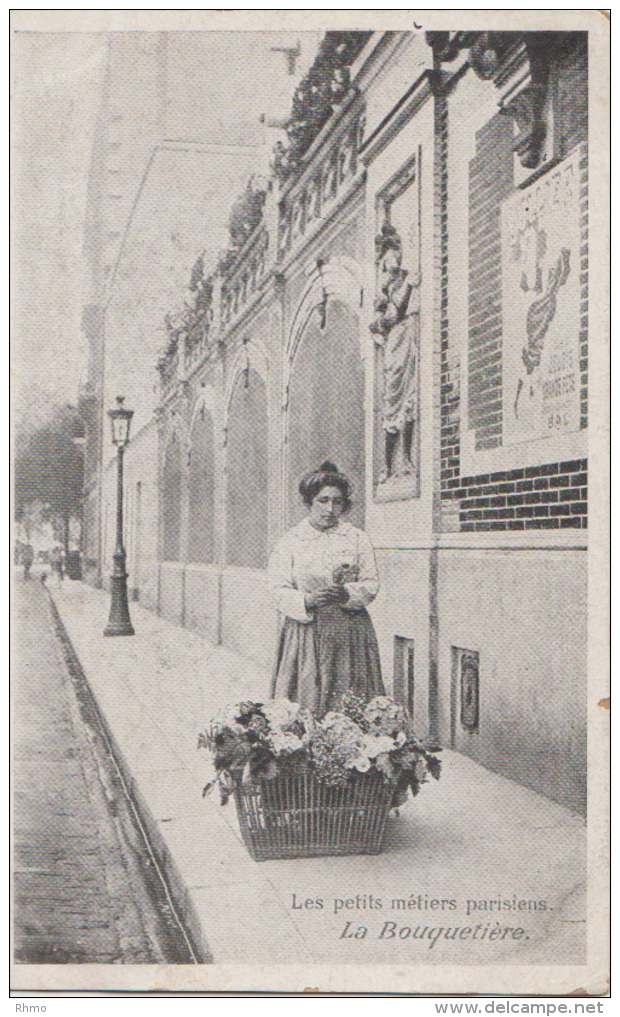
x: 316, y: 98
x: 193, y: 321
x: 246, y: 213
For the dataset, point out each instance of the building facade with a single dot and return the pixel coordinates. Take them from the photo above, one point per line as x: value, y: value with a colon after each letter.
x: 412, y: 303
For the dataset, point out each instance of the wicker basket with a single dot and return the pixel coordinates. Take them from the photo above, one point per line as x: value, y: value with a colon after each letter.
x: 296, y: 816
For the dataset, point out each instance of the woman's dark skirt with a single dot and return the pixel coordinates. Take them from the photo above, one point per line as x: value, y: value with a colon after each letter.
x: 318, y: 662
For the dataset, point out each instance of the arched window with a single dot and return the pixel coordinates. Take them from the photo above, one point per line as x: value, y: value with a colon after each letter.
x: 201, y: 490
x: 171, y: 502
x: 246, y: 506
x: 326, y: 405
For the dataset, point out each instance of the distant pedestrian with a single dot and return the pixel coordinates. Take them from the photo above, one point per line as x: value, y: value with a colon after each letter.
x: 27, y: 560
x: 57, y: 565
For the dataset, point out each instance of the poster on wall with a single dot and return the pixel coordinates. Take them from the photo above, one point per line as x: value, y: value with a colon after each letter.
x: 541, y: 307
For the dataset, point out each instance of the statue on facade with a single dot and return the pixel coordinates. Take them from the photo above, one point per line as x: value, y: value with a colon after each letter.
x: 396, y: 331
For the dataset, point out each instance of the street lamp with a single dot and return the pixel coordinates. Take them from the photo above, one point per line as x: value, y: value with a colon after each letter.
x: 119, y: 622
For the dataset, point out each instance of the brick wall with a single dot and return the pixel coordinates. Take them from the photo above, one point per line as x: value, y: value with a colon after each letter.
x: 490, y: 181
x: 539, y: 497
x: 552, y: 496
x: 449, y: 443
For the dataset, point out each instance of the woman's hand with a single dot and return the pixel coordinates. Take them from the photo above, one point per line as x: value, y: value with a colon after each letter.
x: 335, y: 594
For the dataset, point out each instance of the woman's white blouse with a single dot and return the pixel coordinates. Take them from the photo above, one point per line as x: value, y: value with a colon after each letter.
x: 305, y: 560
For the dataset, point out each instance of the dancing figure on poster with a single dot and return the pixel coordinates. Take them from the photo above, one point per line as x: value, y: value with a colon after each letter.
x: 396, y: 331
x: 539, y: 316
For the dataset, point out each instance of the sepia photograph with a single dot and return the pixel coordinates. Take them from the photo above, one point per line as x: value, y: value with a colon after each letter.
x: 309, y: 389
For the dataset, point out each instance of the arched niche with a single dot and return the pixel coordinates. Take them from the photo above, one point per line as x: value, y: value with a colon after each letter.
x: 201, y: 489
x: 246, y: 502
x: 171, y: 501
x: 326, y: 404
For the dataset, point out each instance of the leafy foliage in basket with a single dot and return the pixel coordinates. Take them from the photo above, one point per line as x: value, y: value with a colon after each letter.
x: 250, y: 741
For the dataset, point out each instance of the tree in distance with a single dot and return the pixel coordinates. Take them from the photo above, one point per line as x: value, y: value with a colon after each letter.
x: 49, y: 467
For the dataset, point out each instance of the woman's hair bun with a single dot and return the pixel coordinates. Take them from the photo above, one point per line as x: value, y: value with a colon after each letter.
x: 327, y: 475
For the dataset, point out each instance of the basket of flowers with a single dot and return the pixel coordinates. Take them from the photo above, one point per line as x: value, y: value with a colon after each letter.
x: 305, y: 786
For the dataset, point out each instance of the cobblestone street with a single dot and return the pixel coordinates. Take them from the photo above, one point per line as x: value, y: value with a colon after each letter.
x: 79, y: 892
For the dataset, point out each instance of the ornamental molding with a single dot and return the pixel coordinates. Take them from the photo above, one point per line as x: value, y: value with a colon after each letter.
x: 495, y: 56
x: 419, y: 93
x: 332, y: 173
x: 340, y: 277
x: 176, y: 426
x: 252, y: 354
x: 208, y: 401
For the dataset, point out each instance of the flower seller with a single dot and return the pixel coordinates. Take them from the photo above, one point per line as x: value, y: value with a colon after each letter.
x: 322, y: 575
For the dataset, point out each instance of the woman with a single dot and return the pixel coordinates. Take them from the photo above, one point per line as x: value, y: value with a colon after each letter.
x: 321, y: 576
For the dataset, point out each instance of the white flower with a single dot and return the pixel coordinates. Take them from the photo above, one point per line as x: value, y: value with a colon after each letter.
x: 334, y: 720
x: 380, y: 703
x: 285, y: 741
x: 227, y: 722
x: 384, y: 715
x: 374, y: 745
x: 291, y: 708
x: 362, y: 764
x: 227, y: 717
x: 383, y: 763
x: 401, y: 738
x: 339, y: 723
x: 280, y: 712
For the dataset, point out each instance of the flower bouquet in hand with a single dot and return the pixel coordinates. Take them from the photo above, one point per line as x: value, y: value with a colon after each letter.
x: 345, y: 574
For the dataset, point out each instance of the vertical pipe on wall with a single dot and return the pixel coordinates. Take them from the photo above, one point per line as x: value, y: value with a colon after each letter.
x: 433, y: 644
x: 440, y: 283
x: 138, y: 539
x: 220, y: 606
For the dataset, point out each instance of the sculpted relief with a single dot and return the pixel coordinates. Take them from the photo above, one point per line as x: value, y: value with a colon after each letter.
x: 396, y: 332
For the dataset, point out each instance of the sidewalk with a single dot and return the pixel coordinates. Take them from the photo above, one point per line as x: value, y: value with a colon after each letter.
x: 474, y: 851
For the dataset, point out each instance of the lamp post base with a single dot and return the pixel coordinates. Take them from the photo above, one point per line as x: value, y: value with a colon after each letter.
x: 119, y: 622
x: 126, y: 629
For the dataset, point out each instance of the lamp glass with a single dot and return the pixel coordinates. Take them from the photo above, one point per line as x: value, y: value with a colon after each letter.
x: 120, y: 420
x: 120, y: 430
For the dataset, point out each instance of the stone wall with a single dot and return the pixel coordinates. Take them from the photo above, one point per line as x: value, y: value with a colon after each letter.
x: 524, y: 614
x: 246, y: 489
x: 326, y: 405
